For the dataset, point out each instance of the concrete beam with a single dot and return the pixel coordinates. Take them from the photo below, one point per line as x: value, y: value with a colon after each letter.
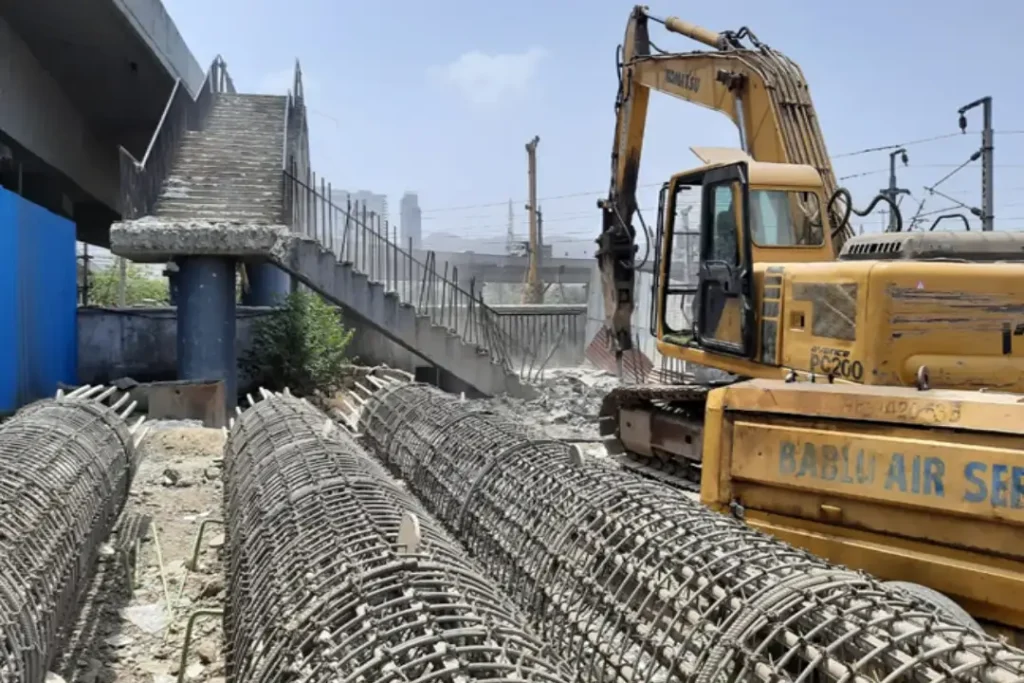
x: 36, y: 113
x: 154, y: 25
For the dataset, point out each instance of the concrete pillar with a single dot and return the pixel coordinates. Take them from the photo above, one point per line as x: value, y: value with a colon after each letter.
x: 206, y: 322
x: 268, y: 285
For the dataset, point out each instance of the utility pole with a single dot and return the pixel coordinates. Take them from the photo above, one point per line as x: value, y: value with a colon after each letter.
x: 510, y: 238
x: 892, y: 192
x: 122, y: 281
x: 533, y: 292
x: 987, y: 151
x: 540, y: 241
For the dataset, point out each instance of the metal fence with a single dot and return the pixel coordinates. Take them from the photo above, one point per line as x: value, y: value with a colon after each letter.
x: 38, y: 328
x: 370, y: 246
x: 551, y: 335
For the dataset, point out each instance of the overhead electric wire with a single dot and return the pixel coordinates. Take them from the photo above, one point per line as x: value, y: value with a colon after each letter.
x: 919, y: 141
x: 867, y: 150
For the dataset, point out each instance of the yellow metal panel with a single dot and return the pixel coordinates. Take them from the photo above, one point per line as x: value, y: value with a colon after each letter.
x: 715, y: 488
x: 964, y: 321
x: 940, y: 474
x: 993, y: 537
x: 986, y: 591
x: 964, y: 410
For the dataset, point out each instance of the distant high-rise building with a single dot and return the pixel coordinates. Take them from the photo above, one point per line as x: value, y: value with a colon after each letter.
x: 374, y: 203
x: 411, y: 220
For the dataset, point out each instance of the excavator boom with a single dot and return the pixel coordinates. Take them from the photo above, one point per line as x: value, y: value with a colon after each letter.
x: 763, y: 92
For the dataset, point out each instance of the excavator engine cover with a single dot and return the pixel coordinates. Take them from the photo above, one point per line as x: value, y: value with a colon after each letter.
x: 953, y: 246
x: 925, y: 486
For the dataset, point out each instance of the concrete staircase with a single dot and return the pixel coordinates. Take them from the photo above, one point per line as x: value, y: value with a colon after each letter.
x: 231, y: 170
x: 396, y: 313
x: 224, y: 197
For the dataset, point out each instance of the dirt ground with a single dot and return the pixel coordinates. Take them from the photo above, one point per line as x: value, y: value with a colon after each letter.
x: 132, y: 637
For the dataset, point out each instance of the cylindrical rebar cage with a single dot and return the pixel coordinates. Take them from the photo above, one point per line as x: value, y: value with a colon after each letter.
x: 632, y: 580
x: 335, y: 573
x: 65, y: 468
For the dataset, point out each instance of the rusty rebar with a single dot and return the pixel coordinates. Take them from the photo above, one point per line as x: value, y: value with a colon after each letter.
x: 65, y: 468
x: 335, y: 573
x: 633, y: 581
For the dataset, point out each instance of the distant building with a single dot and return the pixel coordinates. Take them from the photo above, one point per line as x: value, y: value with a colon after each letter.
x: 374, y: 203
x: 411, y: 220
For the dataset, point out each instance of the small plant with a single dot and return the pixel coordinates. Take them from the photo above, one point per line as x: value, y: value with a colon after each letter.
x: 139, y: 287
x: 301, y: 346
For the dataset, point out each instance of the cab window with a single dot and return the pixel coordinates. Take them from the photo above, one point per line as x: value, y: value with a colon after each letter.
x: 780, y: 218
x: 724, y: 244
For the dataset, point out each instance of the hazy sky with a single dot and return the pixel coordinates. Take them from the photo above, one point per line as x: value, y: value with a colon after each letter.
x: 440, y: 97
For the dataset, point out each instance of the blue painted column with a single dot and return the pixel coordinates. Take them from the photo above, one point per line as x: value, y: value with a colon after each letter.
x: 268, y: 285
x: 206, y: 323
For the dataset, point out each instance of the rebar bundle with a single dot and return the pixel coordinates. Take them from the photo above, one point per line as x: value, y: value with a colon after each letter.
x: 632, y: 581
x: 65, y: 468
x: 335, y: 573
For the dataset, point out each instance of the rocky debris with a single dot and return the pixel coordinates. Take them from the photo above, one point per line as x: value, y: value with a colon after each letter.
x: 568, y: 403
x: 131, y: 637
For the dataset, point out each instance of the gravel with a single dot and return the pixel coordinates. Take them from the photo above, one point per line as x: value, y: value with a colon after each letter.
x: 568, y: 405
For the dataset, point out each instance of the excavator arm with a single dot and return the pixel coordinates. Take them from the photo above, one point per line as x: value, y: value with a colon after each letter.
x: 761, y: 91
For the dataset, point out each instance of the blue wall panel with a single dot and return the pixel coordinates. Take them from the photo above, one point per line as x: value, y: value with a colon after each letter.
x: 38, y: 302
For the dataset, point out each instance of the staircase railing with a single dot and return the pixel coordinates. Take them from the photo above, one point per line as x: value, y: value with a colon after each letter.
x: 142, y: 181
x: 359, y: 238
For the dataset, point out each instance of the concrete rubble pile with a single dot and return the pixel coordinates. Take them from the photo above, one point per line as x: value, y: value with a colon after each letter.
x: 567, y: 404
x: 66, y: 465
x: 336, y: 573
x: 631, y: 580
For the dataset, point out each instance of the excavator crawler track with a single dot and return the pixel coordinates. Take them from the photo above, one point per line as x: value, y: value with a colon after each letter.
x: 672, y: 416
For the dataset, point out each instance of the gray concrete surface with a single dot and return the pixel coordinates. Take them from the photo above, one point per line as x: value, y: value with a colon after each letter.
x: 340, y: 283
x: 224, y: 198
x: 152, y: 22
x: 78, y: 80
x: 37, y: 114
x: 141, y: 343
x: 511, y: 269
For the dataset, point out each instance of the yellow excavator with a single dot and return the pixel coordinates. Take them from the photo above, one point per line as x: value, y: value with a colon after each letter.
x: 867, y: 403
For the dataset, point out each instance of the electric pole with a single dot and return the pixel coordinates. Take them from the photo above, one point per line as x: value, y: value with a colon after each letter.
x: 987, y: 151
x: 540, y: 241
x: 510, y: 239
x: 533, y: 292
x: 892, y: 192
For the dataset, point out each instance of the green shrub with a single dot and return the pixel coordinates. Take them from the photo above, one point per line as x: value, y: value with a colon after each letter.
x: 300, y: 346
x: 139, y: 287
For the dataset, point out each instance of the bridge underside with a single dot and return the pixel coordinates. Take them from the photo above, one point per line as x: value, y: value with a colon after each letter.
x: 79, y: 81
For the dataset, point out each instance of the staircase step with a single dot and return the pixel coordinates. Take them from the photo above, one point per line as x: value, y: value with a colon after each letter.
x: 194, y: 213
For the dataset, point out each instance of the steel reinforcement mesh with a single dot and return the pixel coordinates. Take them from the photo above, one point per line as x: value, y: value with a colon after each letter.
x: 630, y: 580
x: 335, y: 573
x: 65, y: 468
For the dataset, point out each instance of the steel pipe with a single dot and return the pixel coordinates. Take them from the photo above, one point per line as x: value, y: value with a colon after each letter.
x: 65, y: 468
x: 335, y: 573
x: 633, y: 581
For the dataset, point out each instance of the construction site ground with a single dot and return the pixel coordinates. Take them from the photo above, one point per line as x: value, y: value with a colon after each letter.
x: 134, y: 638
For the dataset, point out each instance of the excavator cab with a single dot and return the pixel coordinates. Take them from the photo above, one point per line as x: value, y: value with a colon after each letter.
x: 751, y: 215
